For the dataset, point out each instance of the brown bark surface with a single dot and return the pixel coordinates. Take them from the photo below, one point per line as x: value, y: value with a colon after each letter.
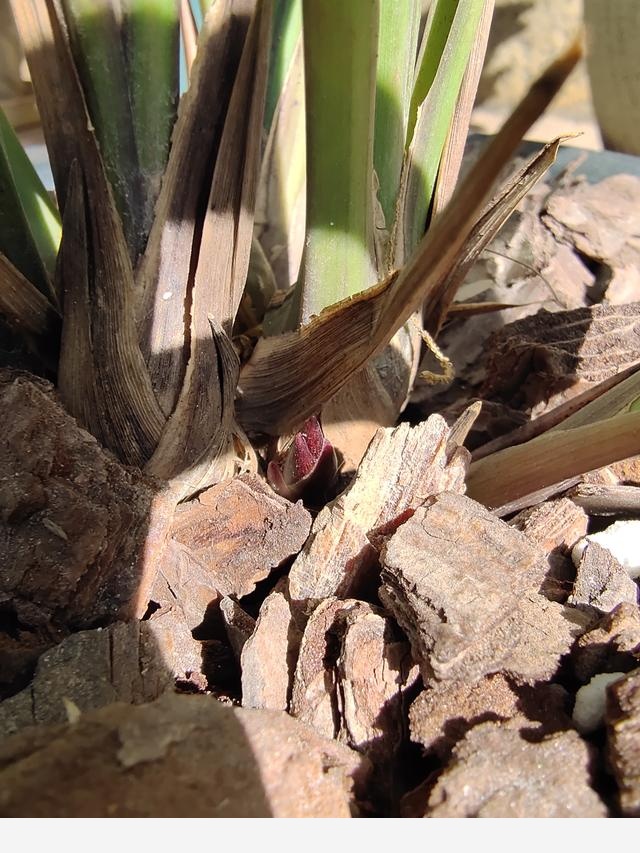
x: 495, y: 772
x: 238, y: 531
x: 623, y: 740
x: 400, y: 469
x: 181, y: 756
x: 463, y: 585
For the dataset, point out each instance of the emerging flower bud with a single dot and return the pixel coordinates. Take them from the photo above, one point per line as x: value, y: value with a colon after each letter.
x: 307, y: 468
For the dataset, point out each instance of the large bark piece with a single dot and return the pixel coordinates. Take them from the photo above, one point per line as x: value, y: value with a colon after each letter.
x: 401, y: 468
x: 623, y: 740
x: 268, y: 657
x: 126, y: 662
x: 81, y: 534
x: 181, y: 756
x: 495, y: 772
x: 445, y: 712
x: 543, y: 360
x: 463, y: 585
x: 240, y: 530
x: 352, y: 672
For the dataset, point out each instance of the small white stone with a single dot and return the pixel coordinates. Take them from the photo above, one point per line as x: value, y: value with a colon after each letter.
x: 167, y: 295
x: 591, y: 701
x: 622, y: 539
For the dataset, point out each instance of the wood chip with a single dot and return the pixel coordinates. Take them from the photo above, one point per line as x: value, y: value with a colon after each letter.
x: 313, y: 698
x: 462, y: 584
x: 374, y: 670
x: 611, y: 645
x: 495, y: 772
x: 237, y: 623
x: 269, y: 655
x: 183, y: 582
x: 127, y: 662
x: 599, y: 220
x: 125, y: 761
x: 541, y: 361
x: 555, y: 525
x: 442, y: 714
x: 82, y: 535
x: 351, y: 675
x: 601, y: 582
x: 401, y: 468
x: 239, y: 531
x: 623, y: 740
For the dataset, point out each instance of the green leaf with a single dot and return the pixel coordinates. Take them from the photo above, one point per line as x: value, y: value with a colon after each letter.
x: 397, y: 48
x: 447, y: 47
x: 152, y: 50
x: 29, y: 223
x: 127, y: 57
x: 340, y: 43
x: 285, y: 35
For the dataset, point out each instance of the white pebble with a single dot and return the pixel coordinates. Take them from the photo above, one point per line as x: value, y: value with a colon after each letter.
x: 167, y: 295
x: 591, y: 701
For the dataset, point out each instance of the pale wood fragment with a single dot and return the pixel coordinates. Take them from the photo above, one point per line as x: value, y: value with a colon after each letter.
x: 463, y: 585
x: 239, y: 531
x: 601, y: 582
x: 400, y: 469
x: 495, y: 772
x: 268, y: 657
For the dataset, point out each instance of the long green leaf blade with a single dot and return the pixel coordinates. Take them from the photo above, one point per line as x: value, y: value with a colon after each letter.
x: 397, y: 48
x: 152, y: 38
x: 95, y: 34
x: 30, y: 227
x: 286, y: 32
x: 340, y: 42
x: 434, y: 115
